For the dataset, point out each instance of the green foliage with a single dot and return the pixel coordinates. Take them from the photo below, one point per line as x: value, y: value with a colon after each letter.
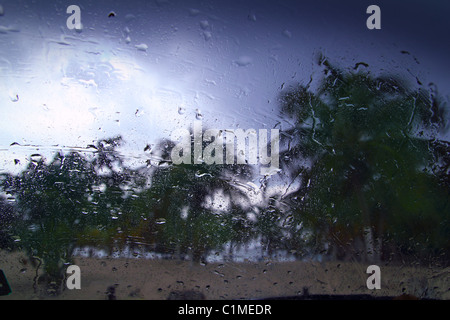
x: 178, y: 218
x: 73, y: 202
x: 364, y: 147
x: 58, y: 204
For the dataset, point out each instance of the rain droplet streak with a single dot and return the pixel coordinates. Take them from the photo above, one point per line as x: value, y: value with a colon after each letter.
x: 5, y: 30
x: 199, y: 174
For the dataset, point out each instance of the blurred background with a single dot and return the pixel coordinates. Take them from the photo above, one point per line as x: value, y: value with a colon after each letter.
x: 87, y: 115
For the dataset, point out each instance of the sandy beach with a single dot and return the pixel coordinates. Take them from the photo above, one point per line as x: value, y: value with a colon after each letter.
x: 160, y: 279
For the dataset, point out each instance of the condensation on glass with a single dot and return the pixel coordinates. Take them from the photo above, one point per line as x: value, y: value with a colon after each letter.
x: 190, y: 150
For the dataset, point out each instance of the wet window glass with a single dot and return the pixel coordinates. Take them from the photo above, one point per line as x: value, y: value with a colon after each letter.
x: 224, y: 150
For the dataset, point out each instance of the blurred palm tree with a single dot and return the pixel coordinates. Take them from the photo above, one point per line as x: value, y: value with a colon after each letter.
x: 364, y: 149
x: 66, y: 203
x: 178, y: 216
x: 50, y: 203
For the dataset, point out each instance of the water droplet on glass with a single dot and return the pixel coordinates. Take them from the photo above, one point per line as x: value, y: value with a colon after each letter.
x: 181, y: 110
x: 243, y: 61
x: 199, y: 174
x: 207, y: 35
x: 198, y: 114
x: 287, y: 33
x: 193, y: 12
x: 160, y: 221
x: 148, y: 148
x: 139, y: 113
x: 141, y: 47
x: 129, y: 17
x: 14, y: 97
x: 5, y: 30
x: 204, y: 24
